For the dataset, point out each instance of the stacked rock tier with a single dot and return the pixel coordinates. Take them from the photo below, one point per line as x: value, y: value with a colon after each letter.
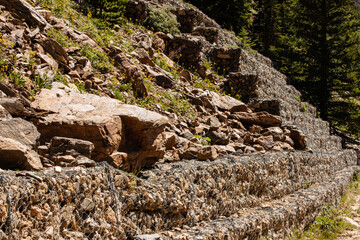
x: 266, y: 89
x: 244, y: 196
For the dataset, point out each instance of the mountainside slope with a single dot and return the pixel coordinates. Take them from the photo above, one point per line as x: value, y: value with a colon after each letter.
x: 205, y: 165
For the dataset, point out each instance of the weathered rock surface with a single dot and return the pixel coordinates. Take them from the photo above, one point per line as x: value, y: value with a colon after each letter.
x: 20, y: 130
x: 15, y: 155
x: 256, y: 192
x: 227, y: 103
x: 264, y: 119
x: 211, y: 198
x: 25, y: 10
x: 110, y: 125
x: 70, y: 146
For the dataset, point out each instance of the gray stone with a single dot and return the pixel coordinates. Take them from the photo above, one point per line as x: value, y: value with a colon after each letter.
x: 20, y: 130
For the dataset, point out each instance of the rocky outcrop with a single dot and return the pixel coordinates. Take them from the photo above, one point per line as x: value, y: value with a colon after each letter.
x: 110, y: 125
x: 24, y: 10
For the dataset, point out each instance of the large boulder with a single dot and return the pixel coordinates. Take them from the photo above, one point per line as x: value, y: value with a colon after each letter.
x: 263, y: 119
x: 227, y: 103
x: 110, y: 125
x: 14, y: 155
x: 104, y: 132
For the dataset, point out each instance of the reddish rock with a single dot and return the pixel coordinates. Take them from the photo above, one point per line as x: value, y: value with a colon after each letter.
x: 23, y: 8
x: 110, y: 125
x: 71, y: 146
x: 14, y: 155
x: 207, y: 153
x: 263, y: 119
x: 266, y: 141
x: 227, y: 103
x: 299, y: 139
x: 159, y: 44
x: 55, y: 49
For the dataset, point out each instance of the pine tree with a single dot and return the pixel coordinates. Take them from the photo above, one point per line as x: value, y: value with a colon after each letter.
x: 329, y: 57
x: 109, y: 10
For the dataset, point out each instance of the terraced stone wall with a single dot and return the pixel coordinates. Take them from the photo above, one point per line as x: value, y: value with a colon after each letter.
x: 105, y: 203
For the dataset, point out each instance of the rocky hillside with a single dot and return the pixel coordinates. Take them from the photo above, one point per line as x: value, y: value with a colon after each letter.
x: 219, y: 146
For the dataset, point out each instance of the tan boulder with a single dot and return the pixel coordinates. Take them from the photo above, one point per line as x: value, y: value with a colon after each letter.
x: 110, y: 125
x: 263, y: 119
x: 227, y: 103
x: 14, y: 155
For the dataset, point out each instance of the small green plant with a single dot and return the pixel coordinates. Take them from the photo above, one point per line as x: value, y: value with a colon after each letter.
x: 32, y: 59
x: 161, y: 62
x: 60, y: 37
x: 307, y: 184
x: 206, y: 84
x: 5, y: 67
x: 303, y: 108
x: 42, y: 82
x: 207, y: 64
x: 204, y: 140
x: 177, y: 103
x: 98, y: 59
x: 80, y: 87
x: 17, y: 79
x: 356, y: 176
x: 162, y: 21
x: 60, y: 78
x: 298, y: 98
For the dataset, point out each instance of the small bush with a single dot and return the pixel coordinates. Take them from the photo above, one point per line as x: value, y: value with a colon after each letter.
x: 204, y: 140
x: 60, y: 37
x: 42, y: 82
x: 162, y: 21
x: 17, y: 79
x: 98, y: 59
x: 355, y: 176
x: 303, y: 108
x: 206, y: 84
x: 177, y: 103
x: 5, y: 67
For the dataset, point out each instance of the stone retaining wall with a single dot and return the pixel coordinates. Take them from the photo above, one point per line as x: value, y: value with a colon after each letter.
x: 105, y: 203
x: 276, y: 220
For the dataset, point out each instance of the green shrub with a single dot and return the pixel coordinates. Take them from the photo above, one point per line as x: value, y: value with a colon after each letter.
x: 204, y: 140
x: 303, y: 108
x: 177, y: 103
x: 162, y: 21
x: 60, y: 37
x: 5, y: 67
x: 42, y: 82
x: 108, y: 10
x: 17, y: 79
x: 98, y: 59
x: 355, y: 176
x: 205, y: 84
